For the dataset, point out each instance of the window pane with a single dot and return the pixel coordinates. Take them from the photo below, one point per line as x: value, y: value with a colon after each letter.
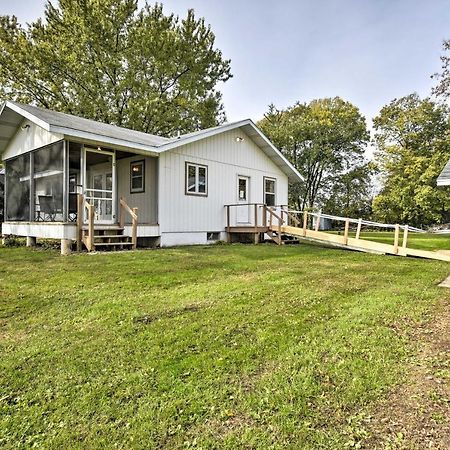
x: 270, y: 199
x: 242, y: 189
x: 191, y: 179
x: 202, y: 180
x: 136, y: 183
x: 136, y: 169
x: 270, y: 186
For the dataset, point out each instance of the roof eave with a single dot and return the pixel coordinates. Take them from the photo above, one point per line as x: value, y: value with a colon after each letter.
x: 98, y: 139
x: 27, y: 115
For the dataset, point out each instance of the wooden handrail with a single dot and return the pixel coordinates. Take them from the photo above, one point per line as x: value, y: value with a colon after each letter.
x: 133, y: 212
x: 244, y: 204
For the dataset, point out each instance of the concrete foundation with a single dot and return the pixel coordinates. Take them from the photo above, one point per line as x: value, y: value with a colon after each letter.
x: 31, y: 241
x: 66, y: 247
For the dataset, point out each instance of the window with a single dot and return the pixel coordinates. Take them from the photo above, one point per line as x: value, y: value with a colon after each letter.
x: 242, y: 189
x: 196, y: 179
x: 269, y: 191
x: 137, y: 176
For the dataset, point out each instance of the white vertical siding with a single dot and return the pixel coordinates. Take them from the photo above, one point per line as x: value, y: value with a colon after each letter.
x: 226, y: 159
x: 29, y: 139
x: 146, y: 202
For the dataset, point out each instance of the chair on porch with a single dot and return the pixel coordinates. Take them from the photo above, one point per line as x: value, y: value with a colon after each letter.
x: 47, y: 209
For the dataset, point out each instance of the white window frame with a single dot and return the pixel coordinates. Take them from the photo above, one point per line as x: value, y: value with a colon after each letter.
x: 270, y: 193
x: 197, y: 179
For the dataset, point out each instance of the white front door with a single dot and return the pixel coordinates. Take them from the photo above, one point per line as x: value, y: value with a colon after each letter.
x: 102, y: 185
x: 243, y: 191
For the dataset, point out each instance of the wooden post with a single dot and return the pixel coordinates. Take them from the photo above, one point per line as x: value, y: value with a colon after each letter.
x: 305, y: 222
x: 264, y: 215
x: 80, y: 201
x: 121, y: 213
x: 91, y: 227
x: 317, y: 222
x: 134, y: 229
x: 347, y: 226
x: 280, y: 224
x: 256, y: 218
x: 270, y: 218
x: 358, y: 230
x: 405, y: 236
x: 396, y: 238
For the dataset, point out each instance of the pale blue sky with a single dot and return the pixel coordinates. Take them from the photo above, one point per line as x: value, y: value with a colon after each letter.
x: 366, y: 51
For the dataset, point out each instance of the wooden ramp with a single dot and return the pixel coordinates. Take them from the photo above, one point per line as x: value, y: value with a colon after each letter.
x: 279, y: 223
x: 361, y: 245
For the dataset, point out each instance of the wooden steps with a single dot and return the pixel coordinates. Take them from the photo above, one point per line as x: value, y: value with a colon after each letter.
x: 106, y: 237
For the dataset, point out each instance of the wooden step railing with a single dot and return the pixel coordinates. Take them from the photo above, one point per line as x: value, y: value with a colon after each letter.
x: 123, y: 209
x: 88, y: 240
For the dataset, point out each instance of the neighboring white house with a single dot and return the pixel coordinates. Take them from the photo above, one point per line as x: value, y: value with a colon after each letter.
x: 180, y: 186
x: 444, y: 177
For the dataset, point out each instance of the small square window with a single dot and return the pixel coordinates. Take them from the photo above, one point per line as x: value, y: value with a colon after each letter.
x: 196, y: 179
x: 137, y: 176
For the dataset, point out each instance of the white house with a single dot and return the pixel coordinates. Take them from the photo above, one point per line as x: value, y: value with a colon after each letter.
x: 444, y: 177
x: 69, y: 178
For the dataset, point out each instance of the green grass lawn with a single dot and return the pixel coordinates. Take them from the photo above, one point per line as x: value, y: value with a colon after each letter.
x: 421, y: 241
x: 233, y: 346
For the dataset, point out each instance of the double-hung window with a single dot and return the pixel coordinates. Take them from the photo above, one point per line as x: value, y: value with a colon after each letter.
x: 270, y: 191
x: 196, y: 179
x: 137, y: 176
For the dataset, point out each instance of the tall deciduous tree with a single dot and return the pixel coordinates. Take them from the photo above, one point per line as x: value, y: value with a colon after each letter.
x: 109, y: 61
x: 413, y: 140
x: 322, y: 139
x: 443, y: 87
x: 351, y: 193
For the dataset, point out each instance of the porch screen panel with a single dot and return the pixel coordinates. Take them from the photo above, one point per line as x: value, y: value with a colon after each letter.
x: 17, y: 183
x: 49, y: 183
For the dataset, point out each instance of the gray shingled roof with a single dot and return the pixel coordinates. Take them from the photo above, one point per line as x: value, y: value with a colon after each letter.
x: 89, y: 130
x: 444, y: 177
x: 58, y: 119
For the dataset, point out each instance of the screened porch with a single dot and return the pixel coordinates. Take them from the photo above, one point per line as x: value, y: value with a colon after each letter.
x: 42, y: 185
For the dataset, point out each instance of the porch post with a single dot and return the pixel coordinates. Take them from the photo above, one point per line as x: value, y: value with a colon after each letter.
x: 31, y: 217
x: 82, y: 177
x: 65, y: 181
x: 114, y: 188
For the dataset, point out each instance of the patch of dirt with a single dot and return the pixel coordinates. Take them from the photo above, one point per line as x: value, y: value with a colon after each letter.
x: 417, y: 414
x: 149, y: 318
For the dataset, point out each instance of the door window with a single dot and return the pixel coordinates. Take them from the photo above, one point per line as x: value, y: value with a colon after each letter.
x: 242, y: 189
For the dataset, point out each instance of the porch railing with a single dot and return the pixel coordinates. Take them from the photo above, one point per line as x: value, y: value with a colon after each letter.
x: 82, y: 206
x: 123, y: 209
